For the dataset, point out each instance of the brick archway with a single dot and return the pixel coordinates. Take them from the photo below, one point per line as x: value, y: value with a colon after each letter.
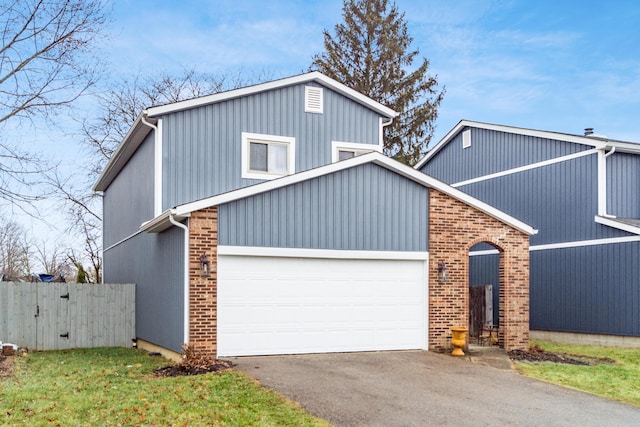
x: 454, y: 227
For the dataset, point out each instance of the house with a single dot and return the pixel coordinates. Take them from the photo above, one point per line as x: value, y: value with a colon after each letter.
x: 582, y: 192
x: 265, y: 220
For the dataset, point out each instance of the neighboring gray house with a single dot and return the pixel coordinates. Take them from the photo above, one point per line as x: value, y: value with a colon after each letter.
x: 582, y: 192
x: 265, y: 220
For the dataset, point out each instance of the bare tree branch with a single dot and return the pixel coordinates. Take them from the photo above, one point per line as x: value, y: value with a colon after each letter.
x: 46, y: 63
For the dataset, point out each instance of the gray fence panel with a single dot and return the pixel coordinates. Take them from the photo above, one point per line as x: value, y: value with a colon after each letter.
x: 18, y: 306
x: 56, y: 316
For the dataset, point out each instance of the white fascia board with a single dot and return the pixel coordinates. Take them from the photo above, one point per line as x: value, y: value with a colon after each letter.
x: 625, y: 147
x: 373, y: 157
x: 617, y: 224
x: 273, y: 184
x: 584, y: 140
x: 249, y: 90
x: 320, y: 253
x: 161, y: 222
x: 123, y: 153
x: 431, y: 182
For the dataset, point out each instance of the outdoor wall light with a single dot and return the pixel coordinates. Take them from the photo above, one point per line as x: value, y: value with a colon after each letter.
x: 205, y: 266
x: 443, y: 272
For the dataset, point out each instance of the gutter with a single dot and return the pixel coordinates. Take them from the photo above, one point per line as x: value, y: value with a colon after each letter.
x: 186, y: 276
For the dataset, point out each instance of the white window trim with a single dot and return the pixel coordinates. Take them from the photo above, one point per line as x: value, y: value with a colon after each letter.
x: 337, y: 146
x: 248, y: 137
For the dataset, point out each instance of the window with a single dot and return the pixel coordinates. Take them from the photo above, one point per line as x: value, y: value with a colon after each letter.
x: 347, y: 150
x: 267, y: 156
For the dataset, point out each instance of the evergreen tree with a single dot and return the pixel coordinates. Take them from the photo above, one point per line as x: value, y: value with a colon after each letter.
x: 81, y: 276
x: 371, y: 53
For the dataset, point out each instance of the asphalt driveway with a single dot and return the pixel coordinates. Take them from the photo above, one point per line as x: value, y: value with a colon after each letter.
x: 419, y: 388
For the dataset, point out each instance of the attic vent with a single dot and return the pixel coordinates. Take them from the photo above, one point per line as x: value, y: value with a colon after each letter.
x: 313, y: 99
x: 466, y: 139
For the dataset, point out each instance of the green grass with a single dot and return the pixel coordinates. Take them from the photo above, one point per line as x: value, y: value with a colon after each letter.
x: 619, y: 380
x: 116, y: 387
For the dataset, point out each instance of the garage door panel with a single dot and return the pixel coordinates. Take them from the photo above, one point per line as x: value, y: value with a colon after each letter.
x: 269, y: 305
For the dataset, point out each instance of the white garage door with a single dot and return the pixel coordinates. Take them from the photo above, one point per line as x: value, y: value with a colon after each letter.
x: 276, y: 305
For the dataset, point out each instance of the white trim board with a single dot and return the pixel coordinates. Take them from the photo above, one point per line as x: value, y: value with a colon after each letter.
x: 568, y: 245
x: 526, y: 167
x: 320, y: 253
x: 581, y: 243
x: 612, y: 222
x: 131, y: 236
x: 486, y: 252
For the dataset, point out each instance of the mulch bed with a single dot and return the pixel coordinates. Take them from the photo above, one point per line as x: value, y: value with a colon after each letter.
x: 182, y: 370
x: 537, y: 354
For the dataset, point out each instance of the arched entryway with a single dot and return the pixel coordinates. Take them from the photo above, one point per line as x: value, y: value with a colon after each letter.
x: 484, y: 294
x: 454, y: 228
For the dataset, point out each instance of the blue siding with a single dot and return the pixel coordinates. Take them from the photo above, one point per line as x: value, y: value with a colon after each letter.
x: 363, y: 208
x: 154, y: 262
x: 590, y: 289
x: 128, y: 202
x: 202, y: 146
x: 623, y: 185
x: 491, y: 152
x: 560, y: 200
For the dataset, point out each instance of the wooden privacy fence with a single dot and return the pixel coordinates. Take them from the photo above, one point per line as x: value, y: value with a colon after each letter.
x: 57, y: 316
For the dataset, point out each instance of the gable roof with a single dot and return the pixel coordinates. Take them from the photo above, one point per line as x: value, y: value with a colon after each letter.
x: 314, y: 76
x: 592, y: 141
x: 140, y: 130
x: 162, y: 222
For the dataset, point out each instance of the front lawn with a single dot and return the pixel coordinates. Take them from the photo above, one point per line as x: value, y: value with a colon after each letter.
x: 116, y: 387
x: 612, y: 372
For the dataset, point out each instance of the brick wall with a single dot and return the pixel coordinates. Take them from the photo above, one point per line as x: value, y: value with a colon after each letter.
x: 203, y: 239
x: 454, y: 228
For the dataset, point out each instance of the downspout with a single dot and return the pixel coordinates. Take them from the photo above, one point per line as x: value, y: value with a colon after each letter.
x: 186, y: 276
x: 602, y: 181
x: 157, y: 163
x: 383, y: 124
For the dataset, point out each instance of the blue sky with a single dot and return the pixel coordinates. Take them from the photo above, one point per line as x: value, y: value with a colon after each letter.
x: 552, y: 65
